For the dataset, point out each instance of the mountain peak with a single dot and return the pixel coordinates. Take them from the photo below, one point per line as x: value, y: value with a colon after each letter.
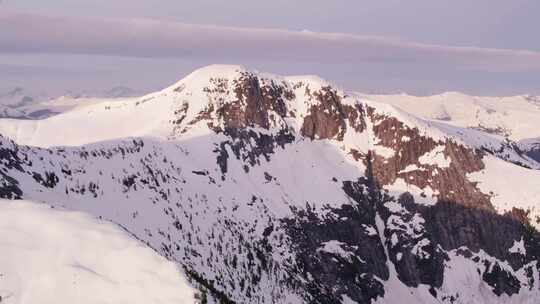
x: 204, y: 74
x: 228, y: 97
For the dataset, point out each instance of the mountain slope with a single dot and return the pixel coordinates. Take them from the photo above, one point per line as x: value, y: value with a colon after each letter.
x: 55, y: 256
x: 513, y: 117
x: 285, y: 189
x: 498, y: 115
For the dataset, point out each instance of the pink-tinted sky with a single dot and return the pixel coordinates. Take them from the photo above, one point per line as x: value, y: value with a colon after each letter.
x: 480, y: 47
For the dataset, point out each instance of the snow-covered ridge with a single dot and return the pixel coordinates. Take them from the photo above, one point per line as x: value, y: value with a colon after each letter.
x: 150, y: 115
x: 48, y: 255
x: 514, y: 117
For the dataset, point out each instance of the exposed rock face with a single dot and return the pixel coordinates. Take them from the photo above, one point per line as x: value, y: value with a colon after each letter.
x: 533, y: 150
x: 264, y: 103
x: 448, y: 181
x: 249, y: 146
x: 9, y: 187
x: 285, y: 199
x: 255, y: 104
x: 327, y: 118
x: 340, y: 253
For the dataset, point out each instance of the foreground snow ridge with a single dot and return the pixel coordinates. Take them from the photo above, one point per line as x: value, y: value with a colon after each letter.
x: 49, y: 255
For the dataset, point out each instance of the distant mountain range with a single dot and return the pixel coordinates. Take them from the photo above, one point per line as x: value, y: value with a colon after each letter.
x: 27, y: 104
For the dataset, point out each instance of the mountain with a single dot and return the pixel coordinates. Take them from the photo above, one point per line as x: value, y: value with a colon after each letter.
x: 21, y: 103
x: 512, y: 117
x: 16, y: 97
x: 496, y: 115
x: 12, y: 100
x: 271, y: 189
x: 64, y: 257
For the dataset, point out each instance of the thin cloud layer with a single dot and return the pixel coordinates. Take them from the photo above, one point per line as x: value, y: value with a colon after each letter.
x: 31, y: 33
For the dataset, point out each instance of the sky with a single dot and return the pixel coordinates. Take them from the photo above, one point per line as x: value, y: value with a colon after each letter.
x: 483, y: 47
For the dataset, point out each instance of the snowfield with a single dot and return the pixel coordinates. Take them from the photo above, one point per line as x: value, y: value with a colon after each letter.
x: 48, y: 255
x: 512, y: 186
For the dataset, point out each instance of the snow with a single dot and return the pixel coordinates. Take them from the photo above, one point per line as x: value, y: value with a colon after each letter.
x: 369, y: 230
x: 384, y: 151
x: 99, y: 121
x: 425, y: 196
x: 194, y: 201
x: 346, y: 300
x: 395, y: 207
x: 515, y: 115
x: 412, y: 227
x: 490, y: 123
x: 410, y: 168
x: 465, y: 275
x: 518, y: 247
x: 394, y: 239
x: 395, y: 290
x: 110, y: 119
x: 510, y: 186
x: 151, y: 116
x: 424, y: 126
x: 55, y: 256
x: 435, y: 157
x: 335, y: 247
x: 418, y: 251
x: 460, y: 274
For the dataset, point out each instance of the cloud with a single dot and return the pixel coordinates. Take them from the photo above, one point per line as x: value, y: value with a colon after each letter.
x: 31, y: 33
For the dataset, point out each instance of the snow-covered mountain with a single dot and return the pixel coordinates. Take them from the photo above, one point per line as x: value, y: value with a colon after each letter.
x: 20, y: 103
x: 270, y: 189
x: 17, y: 97
x: 14, y: 99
